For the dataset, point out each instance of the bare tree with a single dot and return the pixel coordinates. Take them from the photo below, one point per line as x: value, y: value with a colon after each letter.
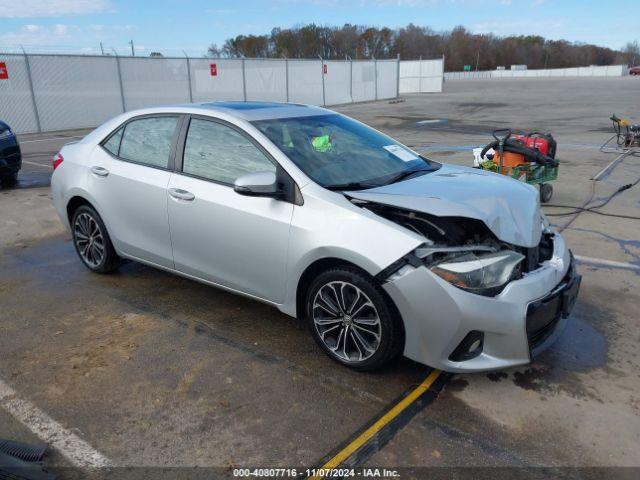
x: 462, y: 47
x: 214, y: 51
x: 631, y: 53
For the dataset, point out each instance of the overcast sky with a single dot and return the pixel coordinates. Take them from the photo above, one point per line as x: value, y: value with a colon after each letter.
x: 191, y: 25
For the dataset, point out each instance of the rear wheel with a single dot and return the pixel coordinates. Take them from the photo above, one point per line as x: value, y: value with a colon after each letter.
x: 92, y: 241
x: 352, y: 320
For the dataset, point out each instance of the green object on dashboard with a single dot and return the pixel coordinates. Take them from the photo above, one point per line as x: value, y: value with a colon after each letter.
x: 322, y: 143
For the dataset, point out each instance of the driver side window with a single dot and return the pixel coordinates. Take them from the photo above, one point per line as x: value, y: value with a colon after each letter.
x: 217, y: 152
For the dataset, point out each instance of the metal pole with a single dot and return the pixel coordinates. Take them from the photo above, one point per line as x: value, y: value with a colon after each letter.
x: 606, y: 170
x: 375, y: 75
x: 286, y: 74
x: 33, y: 94
x: 398, y: 77
x: 124, y: 108
x: 324, y: 102
x: 351, y: 78
x: 244, y: 81
x: 189, y: 76
x: 442, y: 76
x: 420, y: 75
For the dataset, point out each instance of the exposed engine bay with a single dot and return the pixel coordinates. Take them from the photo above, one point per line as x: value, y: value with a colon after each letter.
x: 463, y: 241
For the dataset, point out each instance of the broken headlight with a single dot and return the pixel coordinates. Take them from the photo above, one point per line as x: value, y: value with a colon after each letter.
x: 483, y: 274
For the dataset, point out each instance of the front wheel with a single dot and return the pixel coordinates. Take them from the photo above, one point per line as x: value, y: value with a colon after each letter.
x: 352, y: 320
x: 9, y: 178
x: 92, y: 241
x: 546, y: 192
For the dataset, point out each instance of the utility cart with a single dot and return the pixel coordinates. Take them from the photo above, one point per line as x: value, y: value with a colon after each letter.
x: 528, y: 157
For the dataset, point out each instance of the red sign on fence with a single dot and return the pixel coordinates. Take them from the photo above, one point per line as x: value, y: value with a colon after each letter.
x: 324, y: 69
x: 214, y: 70
x: 4, y: 73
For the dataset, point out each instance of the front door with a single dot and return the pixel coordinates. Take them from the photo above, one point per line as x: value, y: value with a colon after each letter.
x: 236, y: 241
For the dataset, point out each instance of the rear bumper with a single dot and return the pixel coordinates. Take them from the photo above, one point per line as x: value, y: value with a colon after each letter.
x: 438, y: 316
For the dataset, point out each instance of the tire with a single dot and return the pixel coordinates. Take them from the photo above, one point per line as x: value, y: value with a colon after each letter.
x: 374, y: 336
x: 91, y: 241
x: 9, y: 178
x: 546, y: 192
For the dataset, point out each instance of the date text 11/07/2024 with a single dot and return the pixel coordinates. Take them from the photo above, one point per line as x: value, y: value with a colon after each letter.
x: 316, y: 473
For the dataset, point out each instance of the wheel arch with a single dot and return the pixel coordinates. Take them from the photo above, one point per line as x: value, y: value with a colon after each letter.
x: 320, y: 265
x: 74, y: 203
x: 312, y: 271
x: 79, y: 198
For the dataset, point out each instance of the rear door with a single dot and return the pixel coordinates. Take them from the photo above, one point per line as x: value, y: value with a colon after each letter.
x: 233, y: 240
x: 129, y: 174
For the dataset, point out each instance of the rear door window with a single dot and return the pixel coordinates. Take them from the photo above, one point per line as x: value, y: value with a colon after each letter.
x: 113, y: 144
x: 148, y: 140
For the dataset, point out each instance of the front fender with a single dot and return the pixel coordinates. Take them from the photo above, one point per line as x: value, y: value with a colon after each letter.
x: 330, y: 226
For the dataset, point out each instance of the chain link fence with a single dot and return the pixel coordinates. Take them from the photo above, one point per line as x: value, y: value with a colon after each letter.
x: 45, y: 92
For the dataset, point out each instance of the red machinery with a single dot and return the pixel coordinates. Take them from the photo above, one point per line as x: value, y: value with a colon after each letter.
x: 543, y: 142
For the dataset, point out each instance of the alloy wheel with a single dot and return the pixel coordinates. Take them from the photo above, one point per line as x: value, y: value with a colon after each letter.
x: 89, y: 239
x: 346, y: 321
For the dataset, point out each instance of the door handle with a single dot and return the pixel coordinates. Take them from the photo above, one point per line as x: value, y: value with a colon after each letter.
x: 100, y: 171
x: 181, y: 194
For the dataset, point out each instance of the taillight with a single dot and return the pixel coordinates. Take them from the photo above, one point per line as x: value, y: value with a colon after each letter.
x: 57, y: 160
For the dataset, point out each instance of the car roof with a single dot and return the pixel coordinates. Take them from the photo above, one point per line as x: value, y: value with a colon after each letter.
x: 260, y: 110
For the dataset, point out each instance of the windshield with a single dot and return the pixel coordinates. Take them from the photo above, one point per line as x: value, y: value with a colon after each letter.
x: 338, y: 152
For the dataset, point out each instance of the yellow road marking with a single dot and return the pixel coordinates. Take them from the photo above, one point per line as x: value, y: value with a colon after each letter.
x: 365, y: 436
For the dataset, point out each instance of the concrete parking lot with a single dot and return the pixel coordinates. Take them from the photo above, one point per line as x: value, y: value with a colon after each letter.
x: 145, y: 369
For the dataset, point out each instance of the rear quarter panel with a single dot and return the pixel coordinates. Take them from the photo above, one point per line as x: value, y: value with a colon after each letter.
x: 72, y: 179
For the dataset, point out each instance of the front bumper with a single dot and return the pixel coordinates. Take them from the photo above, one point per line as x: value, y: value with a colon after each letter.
x: 438, y: 316
x: 10, y: 156
x: 544, y: 316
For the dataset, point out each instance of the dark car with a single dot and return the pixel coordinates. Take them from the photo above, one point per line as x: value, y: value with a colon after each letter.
x: 634, y: 70
x: 10, y: 156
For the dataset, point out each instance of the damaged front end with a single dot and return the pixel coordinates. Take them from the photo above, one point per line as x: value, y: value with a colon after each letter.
x: 480, y: 289
x: 462, y: 251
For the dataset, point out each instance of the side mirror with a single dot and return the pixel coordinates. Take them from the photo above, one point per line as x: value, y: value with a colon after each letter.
x: 258, y: 184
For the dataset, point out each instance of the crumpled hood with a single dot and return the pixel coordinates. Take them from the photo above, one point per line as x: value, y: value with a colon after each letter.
x: 511, y: 209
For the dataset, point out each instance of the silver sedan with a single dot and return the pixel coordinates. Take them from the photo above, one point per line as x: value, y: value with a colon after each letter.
x: 381, y: 250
